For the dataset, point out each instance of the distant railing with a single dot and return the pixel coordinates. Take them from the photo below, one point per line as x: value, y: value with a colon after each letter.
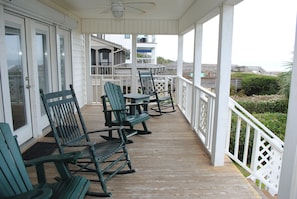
x: 98, y: 82
x: 249, y: 143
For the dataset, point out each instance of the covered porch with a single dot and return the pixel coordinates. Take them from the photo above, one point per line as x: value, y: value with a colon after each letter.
x: 170, y: 163
x: 171, y: 173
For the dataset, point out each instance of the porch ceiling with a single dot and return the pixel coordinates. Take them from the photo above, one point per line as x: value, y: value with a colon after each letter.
x: 164, y: 17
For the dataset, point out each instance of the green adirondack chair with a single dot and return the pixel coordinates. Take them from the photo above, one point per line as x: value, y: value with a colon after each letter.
x: 114, y: 96
x: 105, y: 158
x: 15, y: 181
x: 162, y: 99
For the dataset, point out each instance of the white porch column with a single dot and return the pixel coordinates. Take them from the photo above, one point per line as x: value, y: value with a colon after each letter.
x: 288, y: 178
x: 198, y: 54
x: 88, y: 64
x: 134, y: 64
x: 179, y: 70
x: 222, y: 84
x: 196, y: 69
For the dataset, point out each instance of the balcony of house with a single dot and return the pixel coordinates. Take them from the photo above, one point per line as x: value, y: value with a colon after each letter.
x: 146, y: 39
x: 170, y: 163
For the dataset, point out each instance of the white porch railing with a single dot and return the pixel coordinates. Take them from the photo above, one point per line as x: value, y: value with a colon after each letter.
x: 249, y: 143
x: 162, y: 83
x: 98, y: 82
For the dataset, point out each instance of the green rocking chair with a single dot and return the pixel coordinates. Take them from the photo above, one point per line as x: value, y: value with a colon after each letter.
x: 105, y: 158
x: 15, y: 181
x: 162, y: 99
x: 122, y: 113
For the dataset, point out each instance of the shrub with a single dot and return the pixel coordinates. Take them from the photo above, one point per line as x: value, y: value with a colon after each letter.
x: 276, y: 122
x: 260, y: 85
x: 284, y: 83
x: 262, y: 104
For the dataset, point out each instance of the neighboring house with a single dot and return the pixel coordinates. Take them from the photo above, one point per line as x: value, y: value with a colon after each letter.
x: 105, y: 56
x: 145, y: 47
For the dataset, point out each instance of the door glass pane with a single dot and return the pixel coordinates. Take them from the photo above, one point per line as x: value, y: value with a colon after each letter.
x: 42, y: 64
x: 62, y: 62
x: 15, y: 74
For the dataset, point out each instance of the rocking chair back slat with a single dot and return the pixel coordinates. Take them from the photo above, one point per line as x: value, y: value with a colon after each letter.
x: 13, y: 174
x: 66, y: 126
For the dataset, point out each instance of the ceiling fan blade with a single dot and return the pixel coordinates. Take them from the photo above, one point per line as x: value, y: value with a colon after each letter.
x: 139, y: 10
x: 147, y: 4
x: 106, y: 10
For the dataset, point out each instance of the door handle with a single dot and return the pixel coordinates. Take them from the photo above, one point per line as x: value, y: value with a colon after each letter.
x: 28, y: 86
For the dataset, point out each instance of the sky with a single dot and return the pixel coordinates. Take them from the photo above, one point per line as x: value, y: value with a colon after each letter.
x: 263, y: 35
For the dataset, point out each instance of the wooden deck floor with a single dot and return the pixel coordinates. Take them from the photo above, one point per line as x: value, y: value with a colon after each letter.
x: 171, y: 163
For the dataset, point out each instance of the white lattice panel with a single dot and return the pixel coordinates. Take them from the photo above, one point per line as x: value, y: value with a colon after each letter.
x: 203, y: 117
x: 268, y: 164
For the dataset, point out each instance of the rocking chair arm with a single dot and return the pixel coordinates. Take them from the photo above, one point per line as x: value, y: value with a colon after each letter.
x: 66, y: 157
x: 37, y: 193
x: 115, y: 110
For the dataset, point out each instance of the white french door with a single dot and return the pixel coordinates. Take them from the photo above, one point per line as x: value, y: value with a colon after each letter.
x: 64, y: 59
x: 41, y: 67
x: 38, y: 56
x: 16, y: 87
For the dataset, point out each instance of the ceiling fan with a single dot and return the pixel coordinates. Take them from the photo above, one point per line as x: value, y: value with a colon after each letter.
x: 118, y: 7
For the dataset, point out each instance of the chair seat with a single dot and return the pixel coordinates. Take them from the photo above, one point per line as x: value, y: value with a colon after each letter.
x: 136, y: 119
x: 73, y: 187
x: 103, y: 150
x: 132, y: 120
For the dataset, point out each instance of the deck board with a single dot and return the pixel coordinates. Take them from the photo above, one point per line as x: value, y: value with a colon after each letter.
x: 171, y: 163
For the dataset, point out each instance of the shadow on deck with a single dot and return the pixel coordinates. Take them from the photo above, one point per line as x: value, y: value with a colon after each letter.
x: 171, y: 163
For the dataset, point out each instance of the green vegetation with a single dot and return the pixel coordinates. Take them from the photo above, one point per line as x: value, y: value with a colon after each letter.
x: 276, y: 122
x: 161, y: 60
x: 263, y: 103
x: 271, y: 110
x: 260, y: 85
x: 285, y: 80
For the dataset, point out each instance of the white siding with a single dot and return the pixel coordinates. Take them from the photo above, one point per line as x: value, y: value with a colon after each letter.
x: 79, y: 66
